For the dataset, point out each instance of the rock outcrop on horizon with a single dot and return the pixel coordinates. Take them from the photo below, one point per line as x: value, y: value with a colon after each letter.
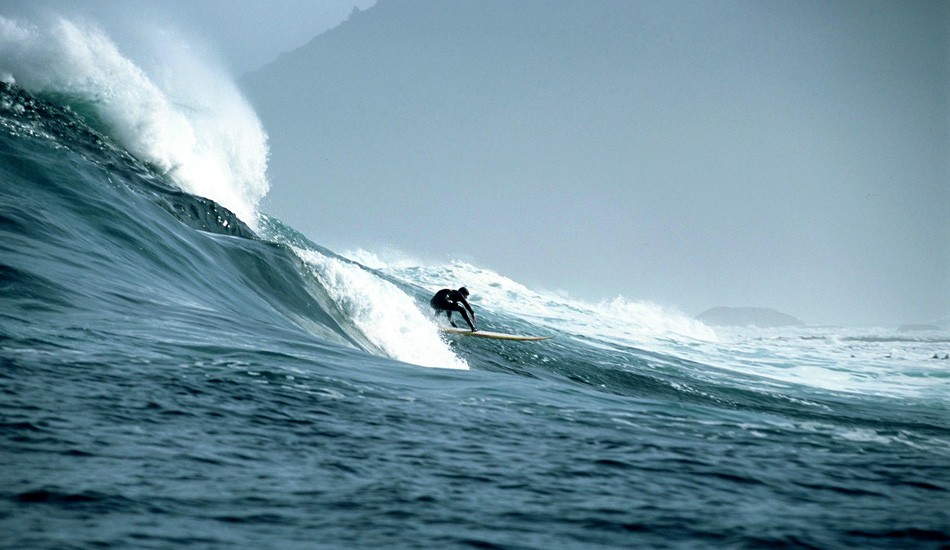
x: 761, y: 317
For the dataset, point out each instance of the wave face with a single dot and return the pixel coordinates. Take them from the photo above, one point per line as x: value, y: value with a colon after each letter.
x: 179, y: 370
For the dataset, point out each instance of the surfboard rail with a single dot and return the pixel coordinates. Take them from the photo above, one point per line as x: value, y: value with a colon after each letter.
x: 493, y: 335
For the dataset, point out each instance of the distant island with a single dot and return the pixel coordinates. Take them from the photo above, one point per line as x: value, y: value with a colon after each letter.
x: 762, y: 317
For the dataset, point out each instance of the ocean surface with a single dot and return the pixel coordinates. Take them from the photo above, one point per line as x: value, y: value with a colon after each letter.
x: 180, y: 370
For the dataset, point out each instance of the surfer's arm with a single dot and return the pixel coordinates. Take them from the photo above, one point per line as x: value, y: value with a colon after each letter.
x: 469, y: 308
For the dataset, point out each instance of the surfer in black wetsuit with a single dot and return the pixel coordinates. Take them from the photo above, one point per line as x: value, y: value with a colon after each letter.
x: 449, y: 300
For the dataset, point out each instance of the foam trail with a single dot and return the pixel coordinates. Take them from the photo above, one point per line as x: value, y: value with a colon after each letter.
x: 619, y: 319
x: 195, y: 127
x: 387, y: 316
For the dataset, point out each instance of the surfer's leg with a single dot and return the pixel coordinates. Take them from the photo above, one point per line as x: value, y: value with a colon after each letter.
x: 439, y: 309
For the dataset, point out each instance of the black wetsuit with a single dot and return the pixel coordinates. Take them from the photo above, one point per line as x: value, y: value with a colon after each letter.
x: 449, y: 300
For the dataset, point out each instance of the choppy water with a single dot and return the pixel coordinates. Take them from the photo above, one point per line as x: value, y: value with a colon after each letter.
x: 172, y: 377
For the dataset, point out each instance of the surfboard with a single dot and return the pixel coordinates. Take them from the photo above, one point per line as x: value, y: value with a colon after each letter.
x: 494, y: 335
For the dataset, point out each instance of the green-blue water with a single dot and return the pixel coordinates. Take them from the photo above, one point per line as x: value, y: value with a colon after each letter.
x: 173, y: 378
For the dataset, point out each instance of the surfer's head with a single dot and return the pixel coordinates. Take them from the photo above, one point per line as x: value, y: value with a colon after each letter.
x: 463, y: 291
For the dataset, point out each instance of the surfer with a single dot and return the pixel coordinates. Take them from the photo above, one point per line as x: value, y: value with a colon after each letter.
x: 449, y: 300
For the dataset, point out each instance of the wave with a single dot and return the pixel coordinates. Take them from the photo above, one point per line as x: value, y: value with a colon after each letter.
x: 619, y: 319
x: 96, y: 246
x: 200, y: 135
x: 104, y: 209
x: 387, y: 314
x: 363, y: 304
x: 249, y: 273
x: 185, y: 117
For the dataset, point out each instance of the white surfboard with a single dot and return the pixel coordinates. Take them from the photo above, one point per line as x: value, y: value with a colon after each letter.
x: 494, y: 335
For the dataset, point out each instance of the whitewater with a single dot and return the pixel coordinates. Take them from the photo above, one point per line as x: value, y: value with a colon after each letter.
x: 181, y: 370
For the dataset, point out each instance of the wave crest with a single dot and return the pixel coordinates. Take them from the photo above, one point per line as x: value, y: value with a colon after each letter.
x: 199, y: 131
x: 620, y: 319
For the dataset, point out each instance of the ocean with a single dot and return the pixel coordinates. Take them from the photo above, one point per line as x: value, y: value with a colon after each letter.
x: 180, y: 370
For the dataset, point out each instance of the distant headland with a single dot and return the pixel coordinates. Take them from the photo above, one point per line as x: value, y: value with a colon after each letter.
x: 761, y: 317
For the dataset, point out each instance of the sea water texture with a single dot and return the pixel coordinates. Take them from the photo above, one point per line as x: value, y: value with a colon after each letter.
x: 179, y: 370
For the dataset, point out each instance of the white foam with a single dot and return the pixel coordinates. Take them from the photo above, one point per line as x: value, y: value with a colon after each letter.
x: 186, y: 118
x: 853, y: 360
x: 620, y: 318
x: 387, y: 316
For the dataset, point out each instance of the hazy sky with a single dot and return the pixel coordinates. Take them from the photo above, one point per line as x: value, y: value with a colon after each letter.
x: 793, y: 155
x: 783, y: 154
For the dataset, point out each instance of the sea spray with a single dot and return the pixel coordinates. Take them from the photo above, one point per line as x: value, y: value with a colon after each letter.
x: 386, y: 315
x: 862, y: 361
x: 619, y: 319
x: 198, y: 131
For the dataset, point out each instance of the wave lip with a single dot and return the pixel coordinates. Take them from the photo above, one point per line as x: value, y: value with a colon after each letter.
x: 198, y: 129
